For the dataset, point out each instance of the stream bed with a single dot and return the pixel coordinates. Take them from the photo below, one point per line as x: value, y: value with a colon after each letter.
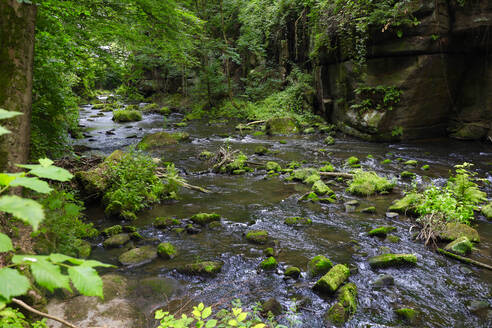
x: 441, y: 289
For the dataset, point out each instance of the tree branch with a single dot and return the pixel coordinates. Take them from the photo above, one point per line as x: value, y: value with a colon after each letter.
x: 45, y: 315
x: 464, y: 259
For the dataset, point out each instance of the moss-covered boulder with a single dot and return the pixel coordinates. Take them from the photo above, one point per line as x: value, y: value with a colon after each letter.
x: 117, y: 240
x: 269, y: 264
x: 352, y: 161
x: 138, y: 256
x: 327, y: 168
x: 329, y: 283
x: 205, y: 218
x: 261, y: 150
x: 487, y: 210
x: 393, y: 239
x: 461, y: 246
x: 303, y: 173
x: 93, y: 182
x: 456, y: 230
x: 366, y: 183
x: 346, y: 306
x: 381, y: 231
x: 319, y: 265
x: 281, y: 125
x: 273, y: 166
x: 162, y: 139
x: 259, y: 237
x: 205, y: 268
x: 297, y: 221
x: 292, y: 272
x: 166, y: 251
x: 165, y: 222
x: 369, y: 210
x: 113, y: 230
x: 83, y: 248
x: 151, y: 108
x: 321, y: 189
x: 206, y: 155
x: 271, y: 306
x: 392, y: 260
x: 407, y: 315
x: 407, y: 175
x: 406, y: 205
x: 411, y: 162
x: 124, y: 115
x: 329, y: 140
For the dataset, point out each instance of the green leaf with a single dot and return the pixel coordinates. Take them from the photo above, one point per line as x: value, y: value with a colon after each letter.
x: 33, y: 184
x: 6, y: 178
x: 60, y: 258
x: 206, y: 312
x: 4, y: 114
x: 242, y: 317
x: 86, y: 280
x: 3, y: 303
x: 211, y: 323
x: 23, y: 258
x: 5, y: 243
x: 45, y: 162
x: 49, y: 275
x: 4, y: 131
x: 94, y: 263
x: 26, y: 210
x: 52, y: 172
x: 12, y: 283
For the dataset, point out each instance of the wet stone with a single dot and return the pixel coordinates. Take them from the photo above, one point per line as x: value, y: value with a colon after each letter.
x: 392, y: 215
x: 383, y: 280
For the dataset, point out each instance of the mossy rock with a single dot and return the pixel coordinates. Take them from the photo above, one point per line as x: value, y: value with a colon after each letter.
x: 269, y: 264
x: 460, y: 246
x: 273, y: 166
x: 162, y: 139
x: 281, y: 125
x: 321, y: 189
x: 329, y: 140
x: 113, y: 230
x: 425, y: 167
x: 329, y: 283
x: 165, y: 110
x: 151, y: 108
x: 408, y: 315
x: 98, y: 106
x: 117, y: 240
x: 205, y: 268
x: 303, y: 173
x: 115, y: 156
x: 297, y: 221
x: 327, y: 168
x: 312, y: 179
x: 407, y: 175
x: 370, y: 210
x: 181, y: 124
x: 352, y: 161
x: 269, y: 251
x: 406, y: 205
x: 271, y: 306
x: 319, y: 265
x: 83, y: 248
x: 259, y: 237
x: 292, y: 272
x: 456, y: 230
x: 411, y: 162
x: 206, y: 155
x: 261, y: 150
x: 386, y: 161
x: 381, y: 231
x: 124, y: 115
x: 165, y: 222
x: 487, y: 210
x: 366, y: 183
x: 205, y: 218
x: 94, y: 182
x: 392, y: 260
x: 166, y: 251
x: 310, y: 130
x: 346, y: 306
x: 393, y: 238
x: 138, y: 256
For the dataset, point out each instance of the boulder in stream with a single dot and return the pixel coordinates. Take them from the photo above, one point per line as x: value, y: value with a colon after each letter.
x: 113, y: 230
x: 205, y: 218
x: 297, y: 221
x: 346, y: 306
x: 259, y: 237
x: 138, y: 256
x: 329, y: 283
x: 124, y: 115
x: 166, y: 251
x: 165, y: 222
x: 269, y: 264
x: 281, y: 125
x: 319, y: 265
x: 455, y: 230
x: 271, y: 305
x: 487, y: 210
x: 461, y: 246
x: 292, y: 272
x: 206, y: 268
x: 381, y: 231
x: 408, y: 315
x: 117, y: 240
x: 162, y: 139
x: 392, y: 260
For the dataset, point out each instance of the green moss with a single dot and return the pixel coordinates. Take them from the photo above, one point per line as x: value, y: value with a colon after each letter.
x: 346, y: 306
x: 411, y: 162
x: 456, y: 230
x: 166, y: 251
x: 487, y: 210
x: 273, y: 166
x: 392, y: 260
x: 83, y: 248
x: 161, y: 139
x: 321, y: 189
x: 116, y: 240
x: 310, y: 130
x: 461, y: 246
x: 259, y: 237
x: 329, y: 283
x: 269, y: 264
x: 370, y: 209
x: 407, y: 175
x: 327, y: 168
x: 165, y: 222
x: 205, y: 218
x: 239, y: 163
x: 366, y: 183
x: 269, y: 251
x: 319, y: 265
x: 386, y: 161
x: 406, y: 204
x: 352, y: 161
x: 124, y: 115
x: 165, y: 110
x: 370, y: 156
x: 329, y: 140
x: 381, y: 231
x: 206, y: 155
x: 312, y: 179
x: 114, y: 230
x: 261, y: 150
x: 281, y: 125
x: 406, y: 314
x: 293, y: 221
x: 425, y: 167
x: 151, y: 108
x: 393, y: 238
x: 206, y: 268
x: 293, y: 272
x: 138, y: 256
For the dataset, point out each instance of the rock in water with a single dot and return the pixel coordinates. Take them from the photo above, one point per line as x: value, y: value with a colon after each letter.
x: 330, y: 282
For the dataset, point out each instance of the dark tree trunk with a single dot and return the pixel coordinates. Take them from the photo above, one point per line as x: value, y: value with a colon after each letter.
x: 17, y: 22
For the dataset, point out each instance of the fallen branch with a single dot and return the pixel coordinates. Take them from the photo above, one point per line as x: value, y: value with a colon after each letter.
x: 42, y: 314
x: 464, y: 259
x: 337, y: 174
x: 184, y: 184
x: 256, y: 122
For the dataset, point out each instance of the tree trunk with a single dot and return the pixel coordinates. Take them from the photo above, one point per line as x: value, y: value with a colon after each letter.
x: 17, y: 22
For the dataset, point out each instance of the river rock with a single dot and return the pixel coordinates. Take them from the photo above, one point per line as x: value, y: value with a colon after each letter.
x: 381, y: 231
x: 259, y: 237
x: 269, y: 264
x: 321, y: 189
x: 346, y: 306
x: 165, y: 222
x: 392, y: 260
x: 138, y: 256
x: 319, y: 265
x: 205, y: 218
x: 117, y: 240
x: 292, y: 272
x: 297, y: 221
x: 369, y: 210
x: 456, y: 230
x: 161, y: 139
x: 461, y: 246
x: 281, y: 125
x: 166, y: 251
x: 392, y: 215
x: 273, y: 166
x: 273, y: 306
x: 113, y: 230
x: 206, y: 268
x: 407, y: 314
x: 383, y: 280
x: 261, y: 150
x: 330, y: 282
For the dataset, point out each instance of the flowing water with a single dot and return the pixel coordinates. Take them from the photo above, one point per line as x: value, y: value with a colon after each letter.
x: 439, y: 288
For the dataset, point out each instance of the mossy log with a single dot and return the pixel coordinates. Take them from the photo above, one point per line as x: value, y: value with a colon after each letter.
x: 464, y: 259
